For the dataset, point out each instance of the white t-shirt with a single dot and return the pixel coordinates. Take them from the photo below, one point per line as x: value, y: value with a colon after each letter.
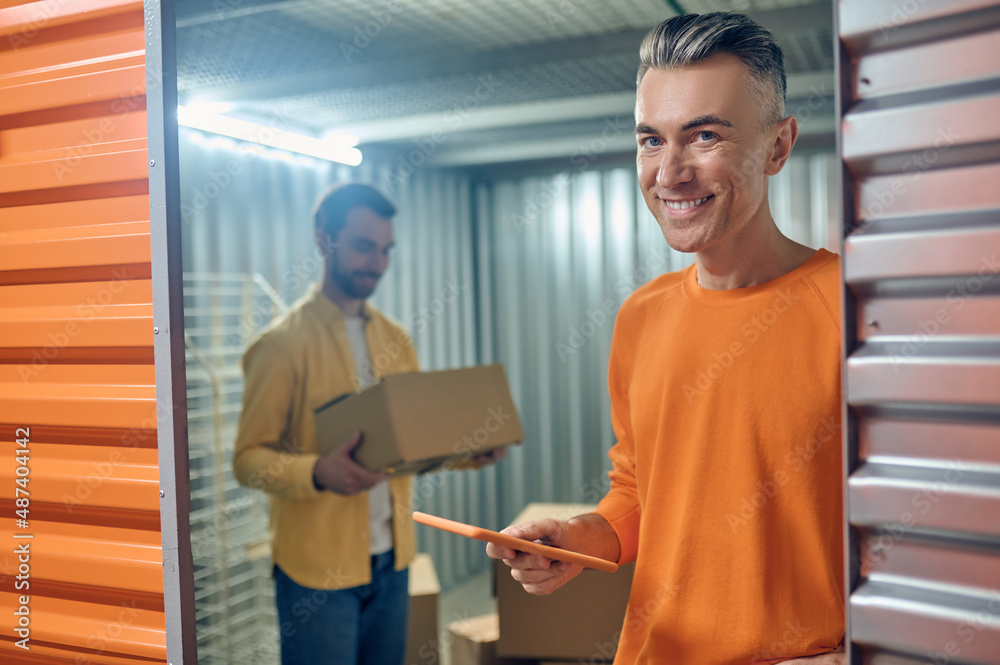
x: 379, y: 497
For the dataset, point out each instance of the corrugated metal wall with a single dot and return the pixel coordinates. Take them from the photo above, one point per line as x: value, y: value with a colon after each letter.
x: 76, y: 339
x: 921, y: 148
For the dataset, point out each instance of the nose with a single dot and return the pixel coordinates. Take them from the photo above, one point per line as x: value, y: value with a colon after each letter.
x: 673, y: 168
x: 377, y: 263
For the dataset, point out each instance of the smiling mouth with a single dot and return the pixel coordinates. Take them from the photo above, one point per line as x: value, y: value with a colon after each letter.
x: 684, y: 205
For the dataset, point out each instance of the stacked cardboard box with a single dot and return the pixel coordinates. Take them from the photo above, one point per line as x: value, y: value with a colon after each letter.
x: 474, y: 641
x: 580, y: 621
x: 422, y: 631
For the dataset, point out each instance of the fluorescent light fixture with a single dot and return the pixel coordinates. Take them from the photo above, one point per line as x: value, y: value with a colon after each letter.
x: 211, y: 107
x: 332, y: 147
x: 342, y: 138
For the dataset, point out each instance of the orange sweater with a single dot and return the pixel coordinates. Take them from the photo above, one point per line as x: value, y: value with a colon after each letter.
x: 726, y: 483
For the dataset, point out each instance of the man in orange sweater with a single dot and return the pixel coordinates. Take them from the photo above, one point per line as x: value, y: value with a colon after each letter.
x: 724, y: 380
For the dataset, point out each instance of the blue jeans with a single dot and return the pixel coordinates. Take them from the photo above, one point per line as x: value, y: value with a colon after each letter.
x: 360, y: 625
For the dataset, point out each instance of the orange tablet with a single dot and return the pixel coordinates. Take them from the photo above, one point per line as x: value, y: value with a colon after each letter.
x: 503, y: 540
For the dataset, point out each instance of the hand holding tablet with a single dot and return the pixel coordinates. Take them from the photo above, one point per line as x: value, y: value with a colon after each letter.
x: 504, y: 540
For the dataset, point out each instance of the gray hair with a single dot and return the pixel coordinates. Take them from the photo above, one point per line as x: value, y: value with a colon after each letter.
x: 685, y: 40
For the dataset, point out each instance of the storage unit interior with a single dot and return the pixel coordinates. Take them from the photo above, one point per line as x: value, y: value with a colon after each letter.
x: 503, y: 132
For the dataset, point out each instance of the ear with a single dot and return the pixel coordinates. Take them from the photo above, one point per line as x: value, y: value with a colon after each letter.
x: 787, y: 133
x: 325, y: 243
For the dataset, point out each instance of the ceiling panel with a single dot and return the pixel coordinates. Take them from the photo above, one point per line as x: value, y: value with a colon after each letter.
x: 316, y: 65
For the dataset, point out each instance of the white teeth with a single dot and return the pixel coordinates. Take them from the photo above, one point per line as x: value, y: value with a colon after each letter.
x: 684, y: 205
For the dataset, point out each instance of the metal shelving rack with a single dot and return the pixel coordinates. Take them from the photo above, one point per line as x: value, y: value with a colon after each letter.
x: 234, y: 597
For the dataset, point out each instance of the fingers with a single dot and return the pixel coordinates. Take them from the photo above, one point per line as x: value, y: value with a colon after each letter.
x: 352, y: 442
x: 497, y: 552
x: 546, y: 530
x: 538, y: 575
x: 528, y: 561
x: 541, y: 530
x: 357, y: 477
x: 542, y: 582
x: 361, y: 477
x: 352, y: 484
x: 491, y: 457
x: 338, y: 472
x: 510, y: 555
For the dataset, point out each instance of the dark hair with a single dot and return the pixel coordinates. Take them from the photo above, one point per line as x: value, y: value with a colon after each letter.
x: 331, y: 210
x: 685, y: 40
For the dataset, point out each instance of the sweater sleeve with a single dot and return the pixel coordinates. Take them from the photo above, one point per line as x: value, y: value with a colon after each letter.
x: 261, y: 460
x: 620, y: 507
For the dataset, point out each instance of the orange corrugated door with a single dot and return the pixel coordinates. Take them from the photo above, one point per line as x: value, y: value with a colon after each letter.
x: 80, y: 545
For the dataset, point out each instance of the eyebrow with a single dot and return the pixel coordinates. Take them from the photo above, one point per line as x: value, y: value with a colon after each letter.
x: 643, y: 128
x: 706, y: 120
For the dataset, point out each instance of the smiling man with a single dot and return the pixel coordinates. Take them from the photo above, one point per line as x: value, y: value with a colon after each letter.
x: 340, y: 559
x: 724, y: 382
x: 341, y: 535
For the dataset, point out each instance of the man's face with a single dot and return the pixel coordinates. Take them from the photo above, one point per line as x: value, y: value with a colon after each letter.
x: 702, y: 159
x: 361, y: 252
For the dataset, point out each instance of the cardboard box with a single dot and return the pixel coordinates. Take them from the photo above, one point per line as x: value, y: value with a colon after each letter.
x: 422, y: 630
x: 474, y: 641
x: 580, y: 621
x: 420, y: 421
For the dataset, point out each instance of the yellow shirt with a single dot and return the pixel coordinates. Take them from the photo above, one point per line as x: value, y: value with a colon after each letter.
x: 320, y: 539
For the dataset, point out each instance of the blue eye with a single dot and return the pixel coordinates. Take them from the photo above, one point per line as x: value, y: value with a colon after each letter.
x: 706, y: 135
x: 651, y: 141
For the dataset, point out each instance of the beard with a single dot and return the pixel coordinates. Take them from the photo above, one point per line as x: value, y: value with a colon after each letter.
x: 350, y: 283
